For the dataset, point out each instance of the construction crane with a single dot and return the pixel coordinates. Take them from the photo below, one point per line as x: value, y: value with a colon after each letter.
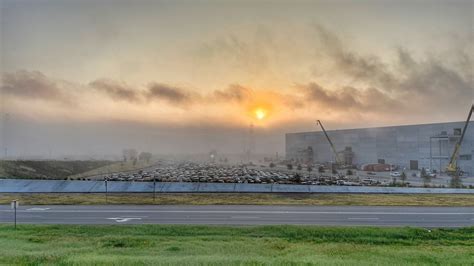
x: 452, y: 168
x: 338, y: 161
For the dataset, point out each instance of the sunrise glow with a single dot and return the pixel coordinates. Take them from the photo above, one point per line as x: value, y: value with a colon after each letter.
x: 260, y: 113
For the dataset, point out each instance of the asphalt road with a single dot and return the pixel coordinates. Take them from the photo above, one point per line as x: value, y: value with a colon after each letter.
x: 242, y: 215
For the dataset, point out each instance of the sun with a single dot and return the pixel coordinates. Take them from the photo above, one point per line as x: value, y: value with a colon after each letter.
x: 260, y: 113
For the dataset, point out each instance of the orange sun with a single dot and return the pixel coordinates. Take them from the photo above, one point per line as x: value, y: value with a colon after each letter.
x: 260, y: 113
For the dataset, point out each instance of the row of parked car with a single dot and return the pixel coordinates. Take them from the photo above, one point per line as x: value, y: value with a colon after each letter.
x: 201, y: 172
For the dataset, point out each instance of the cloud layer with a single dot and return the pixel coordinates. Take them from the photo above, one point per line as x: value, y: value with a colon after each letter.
x: 368, y: 85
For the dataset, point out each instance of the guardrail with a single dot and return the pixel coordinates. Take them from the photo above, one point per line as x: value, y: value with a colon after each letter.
x: 73, y: 186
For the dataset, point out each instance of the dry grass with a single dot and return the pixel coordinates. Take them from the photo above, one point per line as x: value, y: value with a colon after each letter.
x: 114, y: 168
x: 241, y: 199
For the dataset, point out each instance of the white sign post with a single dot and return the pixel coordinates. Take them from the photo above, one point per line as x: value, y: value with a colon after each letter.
x: 14, y: 205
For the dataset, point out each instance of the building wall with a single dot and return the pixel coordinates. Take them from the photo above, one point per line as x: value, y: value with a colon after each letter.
x: 396, y: 145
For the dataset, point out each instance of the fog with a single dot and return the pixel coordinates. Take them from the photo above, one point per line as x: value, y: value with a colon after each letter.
x: 27, y: 138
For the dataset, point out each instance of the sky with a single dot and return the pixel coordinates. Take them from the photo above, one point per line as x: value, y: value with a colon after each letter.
x: 94, y: 77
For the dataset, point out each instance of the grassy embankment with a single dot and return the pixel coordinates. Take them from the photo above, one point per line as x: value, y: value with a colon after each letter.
x: 245, y: 199
x: 47, y: 169
x: 205, y: 245
x: 51, y: 169
x: 114, y: 168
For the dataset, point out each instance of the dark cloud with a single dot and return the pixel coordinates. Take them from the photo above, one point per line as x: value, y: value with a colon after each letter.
x: 429, y: 81
x: 116, y: 90
x: 348, y: 98
x: 168, y: 93
x: 32, y: 85
x: 357, y: 66
x: 234, y: 92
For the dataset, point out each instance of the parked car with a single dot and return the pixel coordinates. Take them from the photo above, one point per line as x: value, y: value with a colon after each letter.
x: 395, y: 174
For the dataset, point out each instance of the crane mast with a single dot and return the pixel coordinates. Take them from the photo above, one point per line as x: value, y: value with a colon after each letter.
x: 452, y: 167
x: 330, y: 143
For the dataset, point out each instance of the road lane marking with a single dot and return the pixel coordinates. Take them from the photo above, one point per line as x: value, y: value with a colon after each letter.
x: 362, y: 218
x: 253, y: 212
x: 124, y: 219
x: 244, y: 217
x: 37, y: 209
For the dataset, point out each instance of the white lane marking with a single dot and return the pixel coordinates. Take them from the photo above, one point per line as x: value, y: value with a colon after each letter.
x: 244, y: 217
x: 362, y: 218
x: 258, y: 212
x: 123, y: 219
x: 37, y: 209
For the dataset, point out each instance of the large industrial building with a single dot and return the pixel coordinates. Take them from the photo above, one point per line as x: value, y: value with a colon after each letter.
x: 408, y: 147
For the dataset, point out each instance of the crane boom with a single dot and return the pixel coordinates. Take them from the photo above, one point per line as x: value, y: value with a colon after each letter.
x: 452, y: 167
x: 330, y: 142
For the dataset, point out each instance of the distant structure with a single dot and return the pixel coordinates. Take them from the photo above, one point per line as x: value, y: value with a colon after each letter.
x: 249, y: 144
x: 212, y: 156
x: 411, y: 147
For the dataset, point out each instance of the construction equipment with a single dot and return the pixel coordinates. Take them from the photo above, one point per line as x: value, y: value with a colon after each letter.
x: 338, y: 161
x: 452, y: 168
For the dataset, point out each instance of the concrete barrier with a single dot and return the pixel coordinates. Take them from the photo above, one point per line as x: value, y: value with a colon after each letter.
x: 129, y: 187
x: 253, y: 188
x: 74, y: 186
x: 216, y: 187
x: 291, y: 188
x: 180, y: 187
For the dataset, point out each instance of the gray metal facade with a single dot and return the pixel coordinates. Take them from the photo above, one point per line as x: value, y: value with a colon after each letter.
x: 429, y: 145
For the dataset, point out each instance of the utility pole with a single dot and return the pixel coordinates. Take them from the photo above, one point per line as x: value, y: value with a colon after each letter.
x: 14, y: 206
x: 250, y: 143
x: 154, y: 188
x: 106, y: 190
x: 5, y: 130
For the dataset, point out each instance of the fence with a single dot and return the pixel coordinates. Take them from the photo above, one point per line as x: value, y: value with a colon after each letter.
x: 74, y: 186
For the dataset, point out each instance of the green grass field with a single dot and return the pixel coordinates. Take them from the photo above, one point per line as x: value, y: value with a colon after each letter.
x: 243, y: 199
x: 216, y: 245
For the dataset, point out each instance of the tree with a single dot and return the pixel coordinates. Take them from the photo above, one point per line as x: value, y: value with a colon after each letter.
x: 297, y: 178
x: 333, y: 168
x: 349, y: 172
x: 455, y: 182
x: 426, y: 178
x: 423, y: 172
x: 272, y: 165
x: 129, y: 154
x: 309, y: 168
x: 321, y: 169
x: 145, y: 156
x: 403, y: 177
x: 299, y: 167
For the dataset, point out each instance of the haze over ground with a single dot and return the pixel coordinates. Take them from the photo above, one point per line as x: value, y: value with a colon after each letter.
x: 94, y: 77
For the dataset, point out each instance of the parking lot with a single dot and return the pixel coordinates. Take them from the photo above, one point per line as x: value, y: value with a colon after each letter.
x: 260, y: 174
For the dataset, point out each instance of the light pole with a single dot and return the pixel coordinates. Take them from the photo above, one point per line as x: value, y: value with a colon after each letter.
x: 154, y: 188
x: 106, y: 190
x: 14, y: 206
